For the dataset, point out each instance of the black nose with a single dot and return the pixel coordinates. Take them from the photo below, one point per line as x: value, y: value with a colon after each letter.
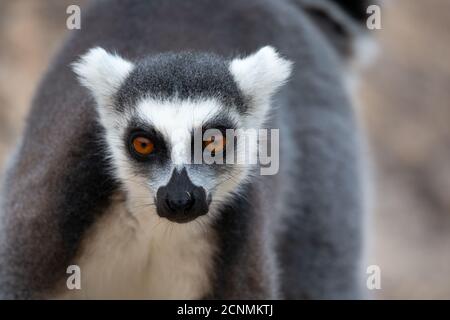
x: 180, y: 200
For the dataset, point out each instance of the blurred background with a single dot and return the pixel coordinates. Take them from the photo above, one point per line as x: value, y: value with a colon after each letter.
x: 406, y: 112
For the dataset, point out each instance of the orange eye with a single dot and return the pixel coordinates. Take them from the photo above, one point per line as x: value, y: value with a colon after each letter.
x: 215, y: 144
x: 143, y: 146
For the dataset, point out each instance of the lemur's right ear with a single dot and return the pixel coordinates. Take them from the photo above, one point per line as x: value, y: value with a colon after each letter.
x: 102, y: 73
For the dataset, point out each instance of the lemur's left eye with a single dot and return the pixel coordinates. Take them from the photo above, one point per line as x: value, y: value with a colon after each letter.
x: 142, y: 145
x: 215, y: 144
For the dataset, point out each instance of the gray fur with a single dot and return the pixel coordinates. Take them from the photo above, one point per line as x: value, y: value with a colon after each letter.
x: 294, y: 235
x: 189, y: 75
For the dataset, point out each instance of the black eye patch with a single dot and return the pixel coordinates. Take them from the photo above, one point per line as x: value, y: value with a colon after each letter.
x: 138, y: 128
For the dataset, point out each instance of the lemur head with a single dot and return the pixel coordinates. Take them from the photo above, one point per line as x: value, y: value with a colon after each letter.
x: 152, y: 109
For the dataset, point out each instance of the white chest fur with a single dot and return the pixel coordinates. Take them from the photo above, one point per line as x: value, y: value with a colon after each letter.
x: 144, y: 257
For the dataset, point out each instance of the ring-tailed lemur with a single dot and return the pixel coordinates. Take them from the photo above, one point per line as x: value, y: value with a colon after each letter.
x: 99, y: 179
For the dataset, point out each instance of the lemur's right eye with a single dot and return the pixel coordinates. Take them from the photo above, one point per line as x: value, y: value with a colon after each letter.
x: 143, y: 146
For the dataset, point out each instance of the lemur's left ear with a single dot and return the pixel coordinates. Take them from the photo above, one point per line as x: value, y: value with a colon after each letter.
x: 261, y: 74
x: 102, y: 73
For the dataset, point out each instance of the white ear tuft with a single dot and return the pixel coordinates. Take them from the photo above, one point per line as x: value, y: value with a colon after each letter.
x: 261, y: 74
x: 102, y: 73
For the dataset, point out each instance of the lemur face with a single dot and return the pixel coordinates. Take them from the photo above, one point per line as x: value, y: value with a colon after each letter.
x: 156, y: 112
